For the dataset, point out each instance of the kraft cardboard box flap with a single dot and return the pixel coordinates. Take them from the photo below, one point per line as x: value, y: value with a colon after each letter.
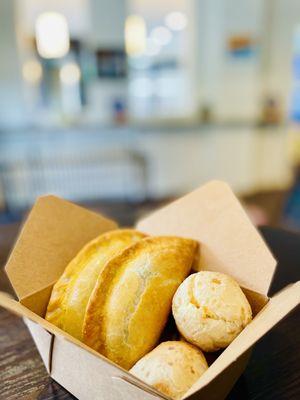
x: 273, y: 312
x: 229, y: 242
x: 54, y: 232
x: 95, y: 377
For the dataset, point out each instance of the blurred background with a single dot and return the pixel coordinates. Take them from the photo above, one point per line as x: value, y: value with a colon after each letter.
x: 124, y: 105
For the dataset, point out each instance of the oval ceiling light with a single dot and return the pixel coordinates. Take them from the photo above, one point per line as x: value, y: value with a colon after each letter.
x: 52, y: 35
x: 135, y: 35
x: 176, y: 21
x: 161, y: 35
x: 32, y: 72
x: 70, y: 74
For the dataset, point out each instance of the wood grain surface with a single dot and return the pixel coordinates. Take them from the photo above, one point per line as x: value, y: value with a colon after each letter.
x: 272, y: 374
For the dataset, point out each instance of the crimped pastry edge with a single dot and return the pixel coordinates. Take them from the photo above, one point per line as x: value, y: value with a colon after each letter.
x: 95, y: 318
x: 56, y: 306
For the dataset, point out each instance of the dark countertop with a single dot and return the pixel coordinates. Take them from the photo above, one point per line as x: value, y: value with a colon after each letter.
x: 273, y: 372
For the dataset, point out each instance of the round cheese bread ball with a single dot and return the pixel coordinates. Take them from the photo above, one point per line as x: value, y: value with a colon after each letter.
x: 172, y: 367
x: 210, y: 310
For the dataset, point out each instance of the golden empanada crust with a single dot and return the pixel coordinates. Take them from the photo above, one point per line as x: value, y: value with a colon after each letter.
x: 131, y: 301
x: 71, y: 292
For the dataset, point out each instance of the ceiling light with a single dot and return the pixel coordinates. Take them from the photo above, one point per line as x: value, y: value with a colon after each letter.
x: 135, y: 35
x: 52, y: 35
x: 161, y: 36
x: 176, y: 21
x: 70, y: 74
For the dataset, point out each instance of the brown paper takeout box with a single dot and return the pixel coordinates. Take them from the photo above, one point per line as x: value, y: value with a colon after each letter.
x: 56, y: 230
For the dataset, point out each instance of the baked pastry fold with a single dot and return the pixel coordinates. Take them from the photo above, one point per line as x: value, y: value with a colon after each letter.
x: 130, y: 304
x: 71, y: 293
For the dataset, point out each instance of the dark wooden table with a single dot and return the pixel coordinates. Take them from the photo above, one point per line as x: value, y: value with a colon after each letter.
x: 272, y: 374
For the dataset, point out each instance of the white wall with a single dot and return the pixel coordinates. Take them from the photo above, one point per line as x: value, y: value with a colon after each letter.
x: 286, y: 18
x: 12, y: 111
x: 107, y: 22
x: 231, y: 85
x: 236, y: 88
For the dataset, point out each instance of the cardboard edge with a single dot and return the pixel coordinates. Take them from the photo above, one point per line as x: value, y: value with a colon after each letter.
x: 279, y: 306
x: 221, y: 386
x: 7, y: 302
x: 210, y: 184
x: 43, y: 340
x: 123, y: 382
x: 94, y: 375
x: 43, y: 206
x: 37, y: 302
x: 218, y: 186
x: 207, y: 185
x: 33, y: 321
x: 68, y: 202
x: 257, y: 301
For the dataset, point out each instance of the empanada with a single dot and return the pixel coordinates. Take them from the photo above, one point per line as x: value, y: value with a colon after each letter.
x: 130, y: 304
x: 71, y: 293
